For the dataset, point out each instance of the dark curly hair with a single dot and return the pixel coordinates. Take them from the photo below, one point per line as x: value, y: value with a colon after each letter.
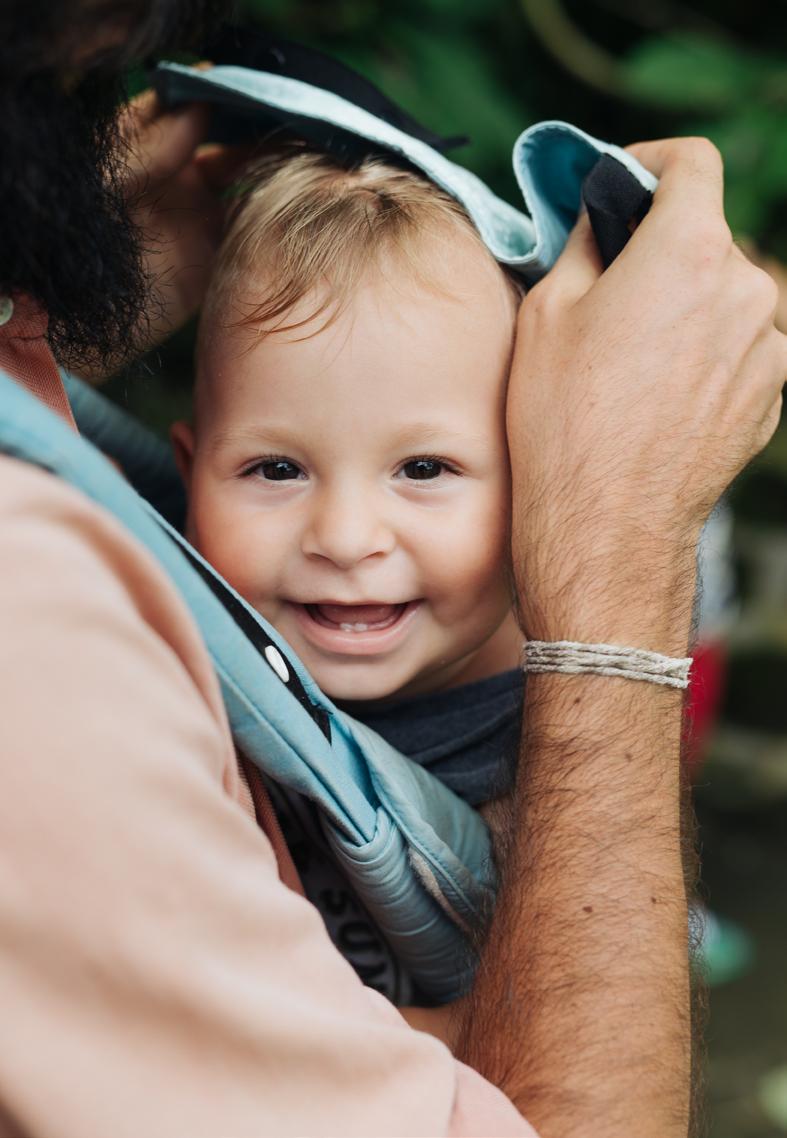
x: 65, y: 235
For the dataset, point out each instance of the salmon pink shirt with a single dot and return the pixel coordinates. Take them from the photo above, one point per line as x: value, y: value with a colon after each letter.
x: 161, y: 973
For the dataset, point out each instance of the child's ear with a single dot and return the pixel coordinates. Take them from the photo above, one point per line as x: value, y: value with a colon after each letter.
x: 181, y: 436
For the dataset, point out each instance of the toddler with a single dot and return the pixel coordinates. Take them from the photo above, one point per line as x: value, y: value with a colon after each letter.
x: 346, y: 465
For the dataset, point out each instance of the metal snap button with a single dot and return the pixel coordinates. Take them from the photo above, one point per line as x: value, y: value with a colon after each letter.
x: 276, y: 661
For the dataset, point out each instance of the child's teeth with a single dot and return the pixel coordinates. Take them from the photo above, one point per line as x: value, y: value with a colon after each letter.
x: 354, y: 627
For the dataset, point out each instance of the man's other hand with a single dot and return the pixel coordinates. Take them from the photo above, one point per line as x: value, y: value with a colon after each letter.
x: 637, y: 395
x: 175, y: 185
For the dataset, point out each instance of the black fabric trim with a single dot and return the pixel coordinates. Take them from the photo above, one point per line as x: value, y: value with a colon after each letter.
x: 258, y: 638
x: 251, y: 47
x: 614, y: 199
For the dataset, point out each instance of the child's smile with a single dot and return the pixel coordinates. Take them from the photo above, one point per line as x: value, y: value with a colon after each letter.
x: 355, y: 629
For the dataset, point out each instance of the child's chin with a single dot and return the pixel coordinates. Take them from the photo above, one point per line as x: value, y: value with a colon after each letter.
x: 361, y: 689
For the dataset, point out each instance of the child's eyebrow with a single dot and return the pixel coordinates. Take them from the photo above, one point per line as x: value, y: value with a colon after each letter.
x: 252, y: 433
x: 423, y: 433
x: 412, y: 435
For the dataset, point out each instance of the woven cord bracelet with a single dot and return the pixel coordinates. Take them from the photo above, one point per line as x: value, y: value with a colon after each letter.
x: 572, y: 658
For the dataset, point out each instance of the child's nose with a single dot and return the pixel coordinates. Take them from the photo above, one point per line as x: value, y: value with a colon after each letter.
x: 346, y: 527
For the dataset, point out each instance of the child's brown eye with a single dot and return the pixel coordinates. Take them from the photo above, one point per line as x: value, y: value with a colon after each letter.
x: 277, y: 470
x: 420, y: 469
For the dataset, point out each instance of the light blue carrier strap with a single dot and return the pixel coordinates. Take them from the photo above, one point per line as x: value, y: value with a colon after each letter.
x: 551, y: 159
x: 418, y: 857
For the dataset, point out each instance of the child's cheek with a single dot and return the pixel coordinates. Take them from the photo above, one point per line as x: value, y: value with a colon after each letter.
x: 233, y: 541
x: 469, y: 556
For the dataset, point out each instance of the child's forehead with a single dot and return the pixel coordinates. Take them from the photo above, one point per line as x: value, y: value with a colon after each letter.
x: 445, y: 262
x: 449, y: 320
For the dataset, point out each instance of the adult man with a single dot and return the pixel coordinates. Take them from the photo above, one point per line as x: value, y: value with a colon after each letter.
x: 157, y: 977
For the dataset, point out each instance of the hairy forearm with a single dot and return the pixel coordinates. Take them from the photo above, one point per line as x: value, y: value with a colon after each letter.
x: 626, y: 421
x: 581, y: 1009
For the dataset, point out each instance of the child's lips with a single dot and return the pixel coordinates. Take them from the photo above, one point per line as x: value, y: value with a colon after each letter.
x: 356, y: 618
x: 354, y: 630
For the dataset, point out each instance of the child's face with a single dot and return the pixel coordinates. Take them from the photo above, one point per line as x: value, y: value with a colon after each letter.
x: 354, y: 486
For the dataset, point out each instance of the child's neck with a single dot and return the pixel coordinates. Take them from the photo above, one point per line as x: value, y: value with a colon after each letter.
x: 501, y: 652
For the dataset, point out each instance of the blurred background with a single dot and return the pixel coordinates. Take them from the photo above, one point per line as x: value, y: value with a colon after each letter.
x: 625, y: 70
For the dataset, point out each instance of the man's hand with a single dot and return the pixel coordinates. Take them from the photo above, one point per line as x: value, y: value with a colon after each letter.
x: 636, y: 396
x: 174, y: 187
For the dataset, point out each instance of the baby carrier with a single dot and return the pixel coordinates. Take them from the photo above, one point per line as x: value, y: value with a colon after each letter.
x: 417, y: 857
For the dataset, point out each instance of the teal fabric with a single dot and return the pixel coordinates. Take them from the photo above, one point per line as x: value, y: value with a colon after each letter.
x: 417, y: 856
x: 550, y: 159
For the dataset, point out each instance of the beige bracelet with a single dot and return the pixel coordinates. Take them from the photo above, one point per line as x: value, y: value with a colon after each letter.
x: 572, y: 658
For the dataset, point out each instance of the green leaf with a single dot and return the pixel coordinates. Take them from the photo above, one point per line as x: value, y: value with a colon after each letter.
x: 753, y: 143
x: 690, y: 72
x: 467, y: 12
x: 773, y: 1096
x: 454, y: 88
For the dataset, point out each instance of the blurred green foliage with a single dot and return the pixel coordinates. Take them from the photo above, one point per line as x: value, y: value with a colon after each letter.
x: 623, y: 70
x: 738, y: 98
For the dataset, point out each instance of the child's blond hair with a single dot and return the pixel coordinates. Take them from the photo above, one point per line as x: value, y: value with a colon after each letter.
x: 307, y: 222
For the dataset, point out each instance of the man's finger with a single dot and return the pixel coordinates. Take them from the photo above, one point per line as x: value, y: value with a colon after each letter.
x: 161, y: 142
x: 579, y: 265
x: 221, y: 165
x: 690, y: 173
